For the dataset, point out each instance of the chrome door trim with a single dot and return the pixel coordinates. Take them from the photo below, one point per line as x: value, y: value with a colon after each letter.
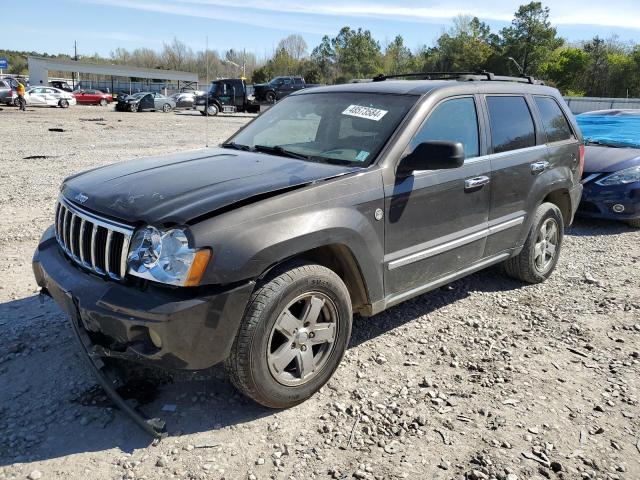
x: 400, y: 297
x: 457, y: 242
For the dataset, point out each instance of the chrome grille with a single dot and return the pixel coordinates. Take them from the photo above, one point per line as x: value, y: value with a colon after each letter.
x: 92, y: 242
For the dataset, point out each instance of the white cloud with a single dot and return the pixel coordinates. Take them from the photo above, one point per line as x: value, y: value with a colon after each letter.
x: 307, y: 17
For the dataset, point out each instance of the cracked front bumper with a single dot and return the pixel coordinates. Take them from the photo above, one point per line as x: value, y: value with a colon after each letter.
x: 171, y: 328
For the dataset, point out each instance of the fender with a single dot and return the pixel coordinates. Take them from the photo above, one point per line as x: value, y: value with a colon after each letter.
x: 250, y: 240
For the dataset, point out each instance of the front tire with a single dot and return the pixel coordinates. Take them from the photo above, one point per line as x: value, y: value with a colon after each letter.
x: 64, y: 103
x: 166, y: 108
x: 103, y: 102
x: 211, y: 110
x: 541, y: 251
x: 270, y: 97
x: 294, y: 333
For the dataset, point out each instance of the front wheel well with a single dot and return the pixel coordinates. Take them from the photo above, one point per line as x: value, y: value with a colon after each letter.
x: 340, y: 259
x: 562, y: 200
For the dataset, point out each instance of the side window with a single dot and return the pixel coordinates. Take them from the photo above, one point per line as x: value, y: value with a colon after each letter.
x: 287, y: 81
x: 511, y: 124
x: 554, y: 122
x: 454, y: 120
x: 298, y: 81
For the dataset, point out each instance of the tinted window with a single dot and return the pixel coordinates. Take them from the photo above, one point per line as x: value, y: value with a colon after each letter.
x: 511, y: 123
x: 554, y: 122
x: 454, y: 120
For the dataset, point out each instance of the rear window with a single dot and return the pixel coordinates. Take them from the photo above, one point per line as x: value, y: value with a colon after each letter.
x: 511, y: 123
x: 553, y: 120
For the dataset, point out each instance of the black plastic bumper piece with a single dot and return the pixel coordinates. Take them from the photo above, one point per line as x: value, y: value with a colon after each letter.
x: 110, y: 380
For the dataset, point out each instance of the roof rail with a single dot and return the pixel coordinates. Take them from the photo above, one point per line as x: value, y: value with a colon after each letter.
x: 463, y: 76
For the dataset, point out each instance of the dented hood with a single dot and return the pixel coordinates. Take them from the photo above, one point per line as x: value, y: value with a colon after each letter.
x: 180, y: 187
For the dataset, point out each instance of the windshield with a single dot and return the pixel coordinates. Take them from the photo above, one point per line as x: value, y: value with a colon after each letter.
x: 138, y: 95
x: 615, y: 130
x: 341, y: 127
x: 213, y: 88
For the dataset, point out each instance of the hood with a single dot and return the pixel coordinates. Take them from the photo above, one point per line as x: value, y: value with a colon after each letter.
x: 601, y: 159
x: 180, y: 187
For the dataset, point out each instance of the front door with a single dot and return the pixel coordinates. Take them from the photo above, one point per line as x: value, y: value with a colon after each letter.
x: 436, y: 220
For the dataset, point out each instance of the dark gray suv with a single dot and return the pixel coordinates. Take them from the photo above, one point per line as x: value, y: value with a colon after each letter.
x: 339, y: 199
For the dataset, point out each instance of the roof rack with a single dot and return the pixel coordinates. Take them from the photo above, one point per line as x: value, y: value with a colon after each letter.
x: 477, y: 76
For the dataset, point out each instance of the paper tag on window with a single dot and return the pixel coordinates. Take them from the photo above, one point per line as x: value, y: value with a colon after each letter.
x: 365, y: 112
x: 362, y: 156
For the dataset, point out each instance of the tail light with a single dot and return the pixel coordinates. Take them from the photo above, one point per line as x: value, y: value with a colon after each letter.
x: 581, y: 166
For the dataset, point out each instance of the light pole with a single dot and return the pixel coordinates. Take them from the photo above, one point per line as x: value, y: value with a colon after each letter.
x: 520, y: 69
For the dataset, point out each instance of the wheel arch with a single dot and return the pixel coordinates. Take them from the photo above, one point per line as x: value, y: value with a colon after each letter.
x: 340, y: 259
x: 561, y: 199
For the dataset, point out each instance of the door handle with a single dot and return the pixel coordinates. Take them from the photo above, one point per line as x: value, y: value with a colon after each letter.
x: 475, y: 182
x: 539, y: 167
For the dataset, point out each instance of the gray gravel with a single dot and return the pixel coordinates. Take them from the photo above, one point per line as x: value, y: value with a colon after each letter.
x: 483, y: 379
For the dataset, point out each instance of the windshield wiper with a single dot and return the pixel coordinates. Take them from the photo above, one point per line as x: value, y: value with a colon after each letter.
x: 235, y: 146
x: 279, y: 150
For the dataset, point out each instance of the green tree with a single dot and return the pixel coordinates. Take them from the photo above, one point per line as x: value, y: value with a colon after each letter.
x: 565, y: 68
x: 357, y: 53
x: 397, y: 58
x: 530, y: 39
x: 324, y: 57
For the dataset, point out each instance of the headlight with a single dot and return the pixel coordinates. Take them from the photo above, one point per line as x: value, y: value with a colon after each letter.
x: 628, y: 175
x: 165, y: 256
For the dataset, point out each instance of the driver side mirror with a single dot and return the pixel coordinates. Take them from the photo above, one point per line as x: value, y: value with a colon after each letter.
x: 432, y: 155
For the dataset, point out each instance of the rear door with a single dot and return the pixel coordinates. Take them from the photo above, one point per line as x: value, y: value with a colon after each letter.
x: 435, y: 219
x: 563, y: 149
x: 517, y: 151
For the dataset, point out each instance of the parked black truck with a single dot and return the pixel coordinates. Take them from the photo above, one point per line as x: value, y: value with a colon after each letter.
x: 341, y: 199
x: 278, y: 88
x: 227, y: 95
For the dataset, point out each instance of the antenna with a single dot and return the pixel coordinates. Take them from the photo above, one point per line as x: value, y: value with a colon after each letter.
x: 206, y: 93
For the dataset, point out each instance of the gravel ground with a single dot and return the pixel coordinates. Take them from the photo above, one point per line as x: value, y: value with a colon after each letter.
x: 484, y: 378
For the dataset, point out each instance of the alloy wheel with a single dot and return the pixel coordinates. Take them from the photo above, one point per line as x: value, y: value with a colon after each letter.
x: 546, y: 245
x: 302, y: 339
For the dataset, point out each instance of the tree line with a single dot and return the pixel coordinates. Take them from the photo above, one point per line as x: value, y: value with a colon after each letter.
x: 530, y: 45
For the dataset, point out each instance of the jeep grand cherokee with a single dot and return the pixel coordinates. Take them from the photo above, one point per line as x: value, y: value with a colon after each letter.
x: 339, y: 199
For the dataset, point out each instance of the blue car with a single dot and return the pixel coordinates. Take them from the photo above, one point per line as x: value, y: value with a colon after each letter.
x: 611, y: 178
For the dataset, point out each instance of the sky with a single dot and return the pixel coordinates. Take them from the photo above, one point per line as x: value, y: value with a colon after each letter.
x: 100, y: 26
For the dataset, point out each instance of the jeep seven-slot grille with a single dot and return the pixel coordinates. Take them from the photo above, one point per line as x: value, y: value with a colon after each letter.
x: 94, y: 243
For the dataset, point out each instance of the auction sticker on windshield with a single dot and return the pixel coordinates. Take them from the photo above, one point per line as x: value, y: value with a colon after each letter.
x: 364, y: 112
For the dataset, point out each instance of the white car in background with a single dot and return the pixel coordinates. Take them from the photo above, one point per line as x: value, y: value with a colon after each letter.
x: 48, y: 97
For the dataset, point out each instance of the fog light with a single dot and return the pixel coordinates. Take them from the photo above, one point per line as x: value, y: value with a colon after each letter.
x: 618, y: 208
x: 155, y: 338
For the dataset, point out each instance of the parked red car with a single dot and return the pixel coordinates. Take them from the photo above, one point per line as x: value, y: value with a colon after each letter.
x: 93, y: 97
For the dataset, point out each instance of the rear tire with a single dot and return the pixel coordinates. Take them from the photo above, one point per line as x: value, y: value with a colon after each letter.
x: 166, y: 108
x: 64, y: 103
x: 634, y: 222
x: 293, y: 335
x: 541, y: 251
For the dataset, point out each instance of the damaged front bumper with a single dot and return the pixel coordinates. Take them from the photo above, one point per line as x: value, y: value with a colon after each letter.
x: 171, y: 328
